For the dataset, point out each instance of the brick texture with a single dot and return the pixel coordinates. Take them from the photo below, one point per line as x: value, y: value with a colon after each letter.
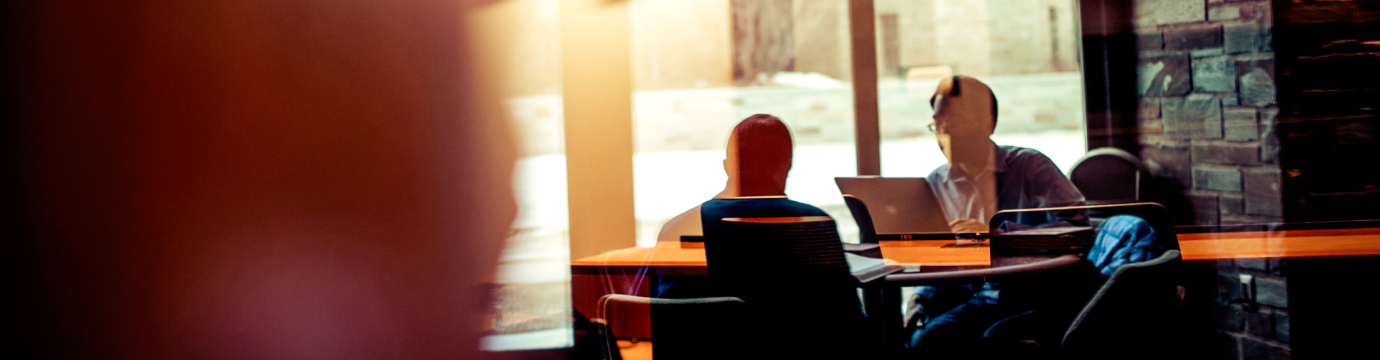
x: 1225, y: 153
x: 1192, y: 119
x: 1240, y: 124
x: 1219, y: 179
x: 1206, y: 78
x: 1214, y: 75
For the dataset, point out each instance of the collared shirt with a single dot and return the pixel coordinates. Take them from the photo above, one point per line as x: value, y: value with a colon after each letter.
x: 1021, y: 178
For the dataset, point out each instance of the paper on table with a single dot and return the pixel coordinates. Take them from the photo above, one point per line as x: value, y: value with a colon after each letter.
x: 869, y: 268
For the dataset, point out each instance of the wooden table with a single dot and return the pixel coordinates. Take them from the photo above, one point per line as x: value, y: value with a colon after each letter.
x: 933, y: 257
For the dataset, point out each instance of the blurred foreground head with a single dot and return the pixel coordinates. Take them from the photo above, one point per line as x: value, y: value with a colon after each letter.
x: 238, y: 179
x: 759, y: 156
x: 965, y: 114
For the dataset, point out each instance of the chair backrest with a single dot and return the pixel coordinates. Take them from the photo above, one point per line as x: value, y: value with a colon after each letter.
x: 867, y: 233
x: 1111, y: 176
x: 1157, y: 215
x: 793, y: 274
x: 697, y: 328
x: 1131, y: 316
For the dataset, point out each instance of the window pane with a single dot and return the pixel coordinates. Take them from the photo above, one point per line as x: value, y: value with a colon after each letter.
x: 531, y: 308
x: 702, y: 66
x: 1026, y: 51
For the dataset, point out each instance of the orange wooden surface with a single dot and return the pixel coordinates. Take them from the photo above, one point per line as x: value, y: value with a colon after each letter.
x: 1205, y: 246
x: 671, y: 253
x: 1290, y: 243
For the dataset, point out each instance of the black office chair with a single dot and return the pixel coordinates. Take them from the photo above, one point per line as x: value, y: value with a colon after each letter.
x: 1111, y: 176
x: 1132, y: 316
x: 866, y: 231
x: 793, y: 275
x: 1134, y: 308
x: 698, y: 328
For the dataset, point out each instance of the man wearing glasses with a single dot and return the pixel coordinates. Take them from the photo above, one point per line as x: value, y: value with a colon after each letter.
x: 980, y: 179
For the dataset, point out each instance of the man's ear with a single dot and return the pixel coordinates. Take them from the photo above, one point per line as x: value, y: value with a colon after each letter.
x: 726, y: 170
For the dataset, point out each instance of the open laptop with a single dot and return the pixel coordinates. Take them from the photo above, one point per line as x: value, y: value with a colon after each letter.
x: 900, y: 208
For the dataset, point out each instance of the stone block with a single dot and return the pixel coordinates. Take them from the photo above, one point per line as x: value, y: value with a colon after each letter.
x: 1169, y: 162
x: 1220, y: 13
x: 1271, y: 291
x: 1167, y: 76
x: 1260, y: 323
x: 1257, y: 264
x: 1240, y: 124
x: 1228, y: 348
x: 1193, y: 38
x: 1228, y: 219
x: 1231, y: 318
x: 1281, y: 327
x: 1214, y: 75
x: 1160, y: 12
x: 1263, y: 192
x: 1150, y: 41
x: 1278, y: 265
x: 1204, y: 209
x: 1230, y: 205
x: 1258, y: 350
x: 1228, y: 288
x: 1269, y: 141
x: 1241, y: 38
x: 1220, y: 153
x: 1217, y: 179
x: 1192, y: 119
x: 1266, y: 181
x: 1257, y: 78
x: 1265, y: 205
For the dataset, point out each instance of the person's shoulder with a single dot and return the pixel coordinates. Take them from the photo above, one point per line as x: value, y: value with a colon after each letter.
x: 1016, y: 155
x: 805, y: 209
x: 1020, y: 152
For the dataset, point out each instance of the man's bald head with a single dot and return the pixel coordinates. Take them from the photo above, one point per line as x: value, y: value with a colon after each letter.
x: 967, y: 96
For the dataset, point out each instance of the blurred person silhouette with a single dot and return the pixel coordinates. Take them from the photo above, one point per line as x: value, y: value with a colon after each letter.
x: 758, y: 159
x: 324, y: 203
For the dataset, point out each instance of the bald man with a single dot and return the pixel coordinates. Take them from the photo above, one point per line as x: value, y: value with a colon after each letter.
x: 757, y: 161
x: 979, y: 179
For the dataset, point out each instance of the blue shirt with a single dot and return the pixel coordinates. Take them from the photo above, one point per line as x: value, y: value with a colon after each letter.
x: 1022, y: 178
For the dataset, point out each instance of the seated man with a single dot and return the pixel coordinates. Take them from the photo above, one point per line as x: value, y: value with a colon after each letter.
x: 758, y: 160
x: 980, y: 179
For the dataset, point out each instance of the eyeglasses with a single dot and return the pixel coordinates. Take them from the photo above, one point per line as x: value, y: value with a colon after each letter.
x: 932, y: 127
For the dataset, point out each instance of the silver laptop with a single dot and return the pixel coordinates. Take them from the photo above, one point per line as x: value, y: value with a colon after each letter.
x: 897, y: 205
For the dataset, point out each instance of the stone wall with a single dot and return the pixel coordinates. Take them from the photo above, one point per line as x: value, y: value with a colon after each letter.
x: 1208, y: 110
x: 1206, y: 125
x: 1252, y: 330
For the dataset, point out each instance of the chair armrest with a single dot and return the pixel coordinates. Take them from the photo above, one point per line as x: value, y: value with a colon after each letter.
x: 1015, y: 327
x: 977, y: 275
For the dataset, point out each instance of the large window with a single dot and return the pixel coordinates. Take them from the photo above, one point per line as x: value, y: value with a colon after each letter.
x: 1026, y: 51
x: 702, y: 66
x: 531, y: 308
